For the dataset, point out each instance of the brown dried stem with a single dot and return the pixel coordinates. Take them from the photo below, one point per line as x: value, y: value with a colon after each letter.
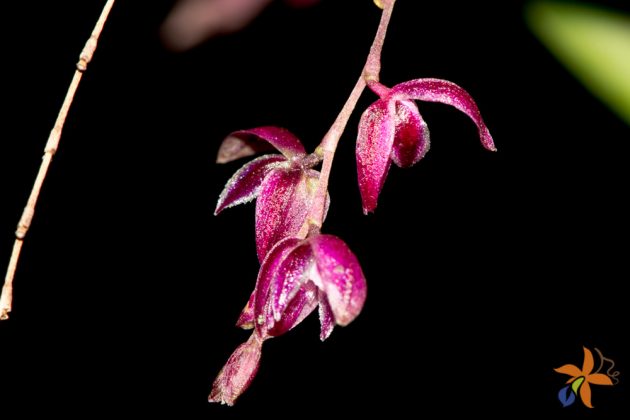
x: 6, y: 298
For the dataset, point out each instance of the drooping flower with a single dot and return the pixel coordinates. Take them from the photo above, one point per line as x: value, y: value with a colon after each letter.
x: 392, y: 129
x: 581, y: 379
x: 284, y: 184
x: 296, y: 277
x: 193, y: 21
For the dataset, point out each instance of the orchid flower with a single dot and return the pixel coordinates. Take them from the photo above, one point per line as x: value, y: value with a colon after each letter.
x: 284, y: 184
x: 392, y: 129
x: 296, y: 277
x: 193, y: 21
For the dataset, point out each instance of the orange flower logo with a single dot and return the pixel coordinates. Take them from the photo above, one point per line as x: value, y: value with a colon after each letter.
x: 580, y: 380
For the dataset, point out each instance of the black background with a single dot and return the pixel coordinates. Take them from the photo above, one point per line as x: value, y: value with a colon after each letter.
x: 485, y: 270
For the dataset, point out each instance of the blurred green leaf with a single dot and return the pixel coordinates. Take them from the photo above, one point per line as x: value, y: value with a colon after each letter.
x: 591, y: 42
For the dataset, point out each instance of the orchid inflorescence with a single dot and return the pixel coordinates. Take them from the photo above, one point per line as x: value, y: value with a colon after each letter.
x: 301, y: 268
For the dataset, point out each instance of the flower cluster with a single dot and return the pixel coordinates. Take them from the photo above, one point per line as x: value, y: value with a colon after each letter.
x: 297, y: 275
x: 301, y: 268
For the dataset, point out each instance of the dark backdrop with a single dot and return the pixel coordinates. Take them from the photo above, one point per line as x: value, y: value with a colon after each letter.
x: 485, y: 270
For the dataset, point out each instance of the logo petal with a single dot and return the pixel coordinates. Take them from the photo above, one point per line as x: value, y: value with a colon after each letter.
x: 244, y: 143
x: 585, y: 394
x: 599, y: 379
x: 374, y: 148
x: 570, y: 370
x: 566, y: 396
x: 443, y: 91
x: 587, y: 366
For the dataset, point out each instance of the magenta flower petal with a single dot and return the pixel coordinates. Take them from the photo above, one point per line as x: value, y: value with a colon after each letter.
x: 248, y: 142
x: 302, y: 305
x: 374, y: 147
x: 340, y: 277
x: 282, y: 206
x: 246, y: 319
x: 238, y: 372
x: 326, y: 318
x: 291, y: 275
x: 262, y: 312
x: 245, y: 183
x: 443, y: 91
x: 411, y: 141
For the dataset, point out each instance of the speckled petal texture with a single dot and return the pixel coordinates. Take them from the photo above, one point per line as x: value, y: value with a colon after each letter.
x: 301, y: 306
x: 411, y: 140
x: 268, y: 270
x: 238, y: 372
x: 443, y: 91
x: 245, y: 183
x: 244, y: 143
x: 292, y: 273
x: 341, y: 277
x: 374, y: 146
x: 282, y: 206
x: 326, y: 317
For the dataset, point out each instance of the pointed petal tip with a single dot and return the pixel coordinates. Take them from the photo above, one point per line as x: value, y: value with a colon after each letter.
x: 487, y: 141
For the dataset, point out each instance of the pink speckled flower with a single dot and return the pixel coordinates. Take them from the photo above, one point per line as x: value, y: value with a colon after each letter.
x: 284, y: 184
x: 296, y: 277
x: 392, y: 129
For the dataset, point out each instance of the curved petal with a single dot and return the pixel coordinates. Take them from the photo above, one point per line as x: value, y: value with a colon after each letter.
x: 443, y: 91
x: 599, y: 379
x: 570, y: 370
x: 340, y: 277
x: 374, y: 148
x: 301, y: 306
x: 262, y: 312
x: 566, y: 396
x: 289, y: 278
x: 326, y: 318
x: 585, y: 394
x: 587, y: 366
x: 248, y: 142
x: 238, y: 372
x: 411, y: 140
x: 282, y: 206
x: 245, y: 183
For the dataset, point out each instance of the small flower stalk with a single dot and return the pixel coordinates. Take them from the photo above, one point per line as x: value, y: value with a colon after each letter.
x: 303, y: 269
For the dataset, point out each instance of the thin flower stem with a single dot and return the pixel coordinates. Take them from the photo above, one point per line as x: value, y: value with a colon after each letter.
x: 328, y: 146
x: 52, y: 144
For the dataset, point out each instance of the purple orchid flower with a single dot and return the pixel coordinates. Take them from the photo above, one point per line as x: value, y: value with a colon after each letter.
x: 392, y: 129
x: 284, y: 184
x: 296, y: 277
